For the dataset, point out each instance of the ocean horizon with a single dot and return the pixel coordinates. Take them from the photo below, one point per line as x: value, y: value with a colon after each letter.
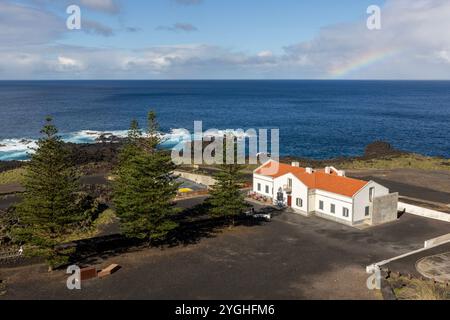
x: 317, y: 118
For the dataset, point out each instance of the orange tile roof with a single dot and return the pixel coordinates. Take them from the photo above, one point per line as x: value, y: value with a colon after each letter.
x: 317, y: 180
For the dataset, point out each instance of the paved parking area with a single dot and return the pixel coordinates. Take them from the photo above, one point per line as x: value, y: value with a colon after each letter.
x: 439, y: 268
x: 420, y: 184
x: 292, y: 257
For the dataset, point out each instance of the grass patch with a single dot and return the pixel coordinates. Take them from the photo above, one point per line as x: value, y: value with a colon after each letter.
x: 406, y: 161
x: 106, y: 217
x: 412, y: 161
x: 12, y: 176
x: 2, y: 287
x: 417, y: 289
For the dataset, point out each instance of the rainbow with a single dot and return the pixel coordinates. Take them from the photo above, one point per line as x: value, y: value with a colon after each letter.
x: 362, y: 61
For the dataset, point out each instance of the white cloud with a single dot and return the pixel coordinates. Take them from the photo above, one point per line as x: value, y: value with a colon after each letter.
x: 186, y: 27
x: 69, y: 64
x: 406, y: 46
x: 413, y: 43
x: 110, y: 6
x: 24, y: 25
x: 265, y: 54
x: 444, y: 55
x: 94, y: 27
x: 180, y: 61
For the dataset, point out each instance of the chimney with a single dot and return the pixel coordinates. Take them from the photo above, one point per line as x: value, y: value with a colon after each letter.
x: 309, y: 170
x: 296, y: 164
x: 328, y: 170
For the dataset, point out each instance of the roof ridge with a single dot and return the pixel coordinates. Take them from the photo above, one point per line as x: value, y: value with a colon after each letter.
x: 320, y: 179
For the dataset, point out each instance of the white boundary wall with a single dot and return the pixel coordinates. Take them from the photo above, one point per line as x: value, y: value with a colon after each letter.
x: 437, y: 241
x: 432, y: 243
x: 424, y: 212
x: 197, y: 178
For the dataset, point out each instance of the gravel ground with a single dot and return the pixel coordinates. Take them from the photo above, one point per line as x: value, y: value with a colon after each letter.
x: 292, y: 257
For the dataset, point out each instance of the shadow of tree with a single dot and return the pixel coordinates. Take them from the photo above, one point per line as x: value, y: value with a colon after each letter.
x: 194, y: 224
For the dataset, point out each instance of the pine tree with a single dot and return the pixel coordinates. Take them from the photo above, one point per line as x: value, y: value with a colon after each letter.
x: 145, y: 186
x: 48, y: 213
x: 226, y: 199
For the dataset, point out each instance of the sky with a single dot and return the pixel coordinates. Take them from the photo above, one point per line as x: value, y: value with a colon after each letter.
x: 224, y: 39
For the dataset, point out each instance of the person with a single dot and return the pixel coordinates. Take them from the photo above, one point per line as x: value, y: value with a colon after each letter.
x: 20, y: 250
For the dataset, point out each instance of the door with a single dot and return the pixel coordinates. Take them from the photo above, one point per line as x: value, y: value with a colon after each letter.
x: 289, y: 198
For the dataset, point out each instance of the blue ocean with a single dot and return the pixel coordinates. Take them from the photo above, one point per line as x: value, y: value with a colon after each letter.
x: 316, y: 119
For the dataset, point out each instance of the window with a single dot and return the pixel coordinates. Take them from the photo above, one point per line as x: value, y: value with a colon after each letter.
x: 290, y: 183
x: 333, y: 208
x: 321, y: 205
x: 267, y: 189
x: 367, y: 211
x: 259, y: 186
x: 371, y: 194
x: 299, y: 202
x: 345, y: 212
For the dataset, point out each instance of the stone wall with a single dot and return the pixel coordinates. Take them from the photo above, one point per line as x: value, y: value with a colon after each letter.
x: 385, y: 209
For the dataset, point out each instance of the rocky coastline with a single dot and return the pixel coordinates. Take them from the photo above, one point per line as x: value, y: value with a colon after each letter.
x: 106, y: 151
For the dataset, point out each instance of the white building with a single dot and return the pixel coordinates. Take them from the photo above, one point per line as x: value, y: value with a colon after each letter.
x: 326, y: 193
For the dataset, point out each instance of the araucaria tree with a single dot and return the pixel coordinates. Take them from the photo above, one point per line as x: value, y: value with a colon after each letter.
x: 48, y: 213
x: 226, y: 199
x: 145, y: 187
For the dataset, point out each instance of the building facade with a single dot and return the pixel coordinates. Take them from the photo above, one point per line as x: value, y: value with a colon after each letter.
x: 326, y: 193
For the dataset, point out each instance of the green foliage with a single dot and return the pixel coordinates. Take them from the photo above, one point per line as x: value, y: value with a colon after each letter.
x: 12, y: 176
x: 145, y: 186
x: 89, y: 208
x: 418, y: 289
x: 48, y: 212
x: 8, y: 221
x: 3, y: 287
x: 412, y: 161
x: 106, y: 217
x: 227, y: 200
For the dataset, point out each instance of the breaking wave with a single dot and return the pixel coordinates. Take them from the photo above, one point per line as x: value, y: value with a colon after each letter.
x: 20, y: 148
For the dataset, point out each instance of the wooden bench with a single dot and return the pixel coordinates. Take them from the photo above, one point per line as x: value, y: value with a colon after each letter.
x: 88, y: 273
x: 109, y: 270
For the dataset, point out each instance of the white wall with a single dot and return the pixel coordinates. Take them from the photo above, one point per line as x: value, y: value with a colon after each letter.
x: 339, y: 201
x: 424, y: 212
x: 311, y: 198
x: 264, y: 181
x: 299, y: 190
x: 361, y: 200
x: 197, y: 178
x: 311, y: 201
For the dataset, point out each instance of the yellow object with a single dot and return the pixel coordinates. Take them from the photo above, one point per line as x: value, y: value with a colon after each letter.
x: 185, y: 190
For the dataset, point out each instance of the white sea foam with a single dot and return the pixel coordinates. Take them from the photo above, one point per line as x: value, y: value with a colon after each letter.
x: 91, y: 136
x: 240, y: 134
x: 18, y: 149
